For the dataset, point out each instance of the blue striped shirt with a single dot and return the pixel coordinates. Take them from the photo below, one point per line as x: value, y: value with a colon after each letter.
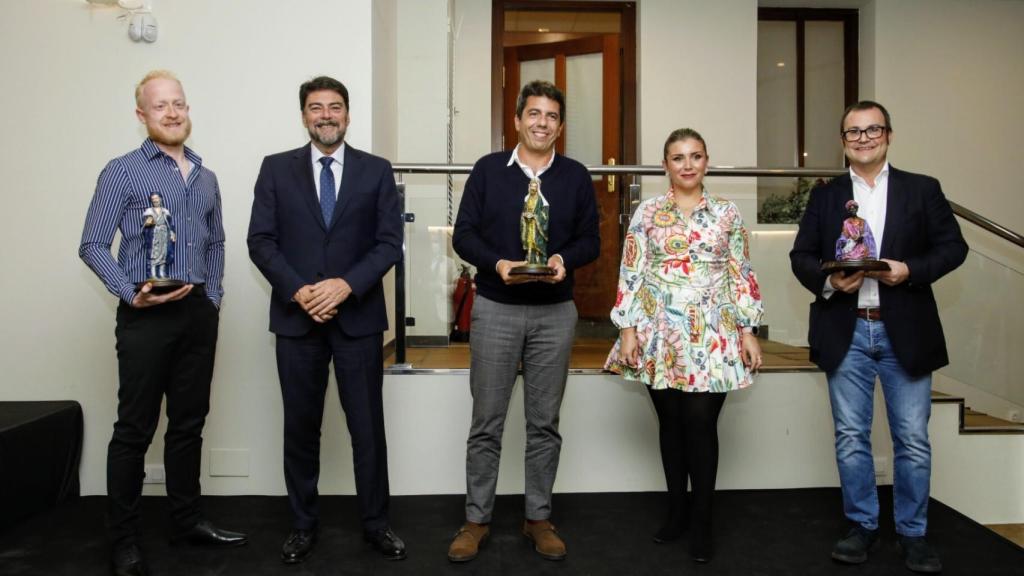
x: 122, y: 195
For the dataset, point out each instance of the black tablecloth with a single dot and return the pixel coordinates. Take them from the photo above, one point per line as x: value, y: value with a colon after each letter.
x: 40, y: 448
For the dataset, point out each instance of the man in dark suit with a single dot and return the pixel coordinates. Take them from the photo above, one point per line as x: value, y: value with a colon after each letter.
x: 324, y: 230
x: 881, y: 324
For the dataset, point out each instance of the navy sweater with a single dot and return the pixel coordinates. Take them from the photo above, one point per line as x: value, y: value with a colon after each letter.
x: 487, y: 227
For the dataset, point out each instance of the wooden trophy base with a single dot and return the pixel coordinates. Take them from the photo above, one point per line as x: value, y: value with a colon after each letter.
x: 162, y: 285
x: 868, y: 265
x: 532, y: 270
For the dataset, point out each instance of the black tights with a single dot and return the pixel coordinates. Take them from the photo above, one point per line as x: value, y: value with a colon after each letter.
x: 688, y: 433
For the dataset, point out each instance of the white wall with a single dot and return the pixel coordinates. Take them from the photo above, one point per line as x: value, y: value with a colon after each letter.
x: 952, y: 75
x: 698, y: 68
x: 979, y: 475
x: 780, y: 428
x: 471, y: 24
x: 385, y: 108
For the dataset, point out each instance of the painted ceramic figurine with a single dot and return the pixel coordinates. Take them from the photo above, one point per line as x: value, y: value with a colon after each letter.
x: 855, y: 241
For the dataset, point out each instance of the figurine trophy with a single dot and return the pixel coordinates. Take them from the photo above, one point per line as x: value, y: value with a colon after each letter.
x: 158, y: 232
x: 855, y: 248
x: 533, y: 230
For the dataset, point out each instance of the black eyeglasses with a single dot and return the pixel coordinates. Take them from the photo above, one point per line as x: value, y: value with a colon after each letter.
x: 873, y: 132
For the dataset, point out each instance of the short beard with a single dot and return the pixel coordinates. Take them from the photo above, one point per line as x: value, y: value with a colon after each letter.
x: 162, y: 138
x: 326, y: 142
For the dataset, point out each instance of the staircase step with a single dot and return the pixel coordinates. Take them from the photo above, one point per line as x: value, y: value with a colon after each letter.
x: 943, y: 397
x: 974, y: 422
x: 978, y: 423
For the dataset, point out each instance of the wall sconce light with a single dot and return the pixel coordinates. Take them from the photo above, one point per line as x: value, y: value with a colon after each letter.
x: 142, y: 25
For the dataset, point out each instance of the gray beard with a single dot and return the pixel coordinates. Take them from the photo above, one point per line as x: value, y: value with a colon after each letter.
x: 326, y: 142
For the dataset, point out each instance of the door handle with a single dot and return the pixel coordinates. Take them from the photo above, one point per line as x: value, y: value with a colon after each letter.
x: 611, y: 177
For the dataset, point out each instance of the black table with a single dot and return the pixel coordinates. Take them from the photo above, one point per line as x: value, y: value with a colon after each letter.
x: 40, y: 448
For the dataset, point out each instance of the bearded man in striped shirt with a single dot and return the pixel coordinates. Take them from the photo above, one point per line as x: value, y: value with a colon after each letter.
x: 165, y: 339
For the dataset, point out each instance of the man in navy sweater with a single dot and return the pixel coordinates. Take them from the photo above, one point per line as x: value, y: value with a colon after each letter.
x: 522, y: 319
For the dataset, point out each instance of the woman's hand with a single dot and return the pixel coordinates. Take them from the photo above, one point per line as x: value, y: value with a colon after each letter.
x: 751, y: 352
x: 629, y: 349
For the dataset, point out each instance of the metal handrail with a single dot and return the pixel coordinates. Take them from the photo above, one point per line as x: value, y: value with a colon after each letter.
x: 639, y: 170
x: 635, y: 171
x: 982, y: 222
x: 652, y: 170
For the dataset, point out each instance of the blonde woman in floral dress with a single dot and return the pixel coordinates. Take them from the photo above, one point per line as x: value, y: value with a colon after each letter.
x: 686, y: 309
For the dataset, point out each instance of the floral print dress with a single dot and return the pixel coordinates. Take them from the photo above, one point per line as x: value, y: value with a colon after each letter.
x: 687, y: 286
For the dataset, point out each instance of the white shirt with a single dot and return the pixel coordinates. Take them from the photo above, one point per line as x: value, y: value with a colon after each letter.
x: 337, y: 167
x: 529, y: 171
x: 871, y: 202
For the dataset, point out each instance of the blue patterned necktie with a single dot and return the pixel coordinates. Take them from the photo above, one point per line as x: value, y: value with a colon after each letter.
x: 327, y: 199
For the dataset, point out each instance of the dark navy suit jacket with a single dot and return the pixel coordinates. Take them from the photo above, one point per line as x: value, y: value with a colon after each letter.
x: 292, y: 245
x: 921, y: 231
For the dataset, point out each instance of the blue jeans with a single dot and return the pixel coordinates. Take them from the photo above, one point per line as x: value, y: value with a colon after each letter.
x: 908, y: 405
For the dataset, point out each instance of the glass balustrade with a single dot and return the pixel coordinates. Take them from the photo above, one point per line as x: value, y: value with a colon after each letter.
x: 980, y: 305
x: 978, y: 302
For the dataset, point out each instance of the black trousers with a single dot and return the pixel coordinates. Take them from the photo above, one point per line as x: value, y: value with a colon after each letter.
x: 165, y: 350
x: 302, y: 365
x: 688, y: 434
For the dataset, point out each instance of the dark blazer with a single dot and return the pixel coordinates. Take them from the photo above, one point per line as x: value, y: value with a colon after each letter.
x: 292, y: 245
x: 921, y: 231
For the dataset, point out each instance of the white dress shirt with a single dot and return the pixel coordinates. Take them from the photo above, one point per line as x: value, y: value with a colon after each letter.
x: 529, y: 171
x: 337, y: 167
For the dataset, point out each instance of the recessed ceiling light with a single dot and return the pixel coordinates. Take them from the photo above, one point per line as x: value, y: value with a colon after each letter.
x: 780, y: 64
x: 543, y: 29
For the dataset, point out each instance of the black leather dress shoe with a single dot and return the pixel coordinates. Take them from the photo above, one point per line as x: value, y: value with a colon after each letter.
x: 204, y: 533
x: 298, y: 546
x: 127, y: 561
x: 387, y: 543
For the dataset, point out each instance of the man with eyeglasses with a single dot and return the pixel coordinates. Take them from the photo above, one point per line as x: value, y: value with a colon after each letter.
x: 882, y: 324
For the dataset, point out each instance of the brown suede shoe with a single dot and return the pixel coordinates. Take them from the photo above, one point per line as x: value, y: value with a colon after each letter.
x: 468, y: 541
x: 546, y: 541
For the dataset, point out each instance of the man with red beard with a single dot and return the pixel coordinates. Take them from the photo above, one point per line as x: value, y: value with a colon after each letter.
x: 325, y: 228
x: 165, y: 340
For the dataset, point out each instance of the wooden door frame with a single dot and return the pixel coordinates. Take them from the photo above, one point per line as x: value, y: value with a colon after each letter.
x: 516, y: 54
x: 627, y: 12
